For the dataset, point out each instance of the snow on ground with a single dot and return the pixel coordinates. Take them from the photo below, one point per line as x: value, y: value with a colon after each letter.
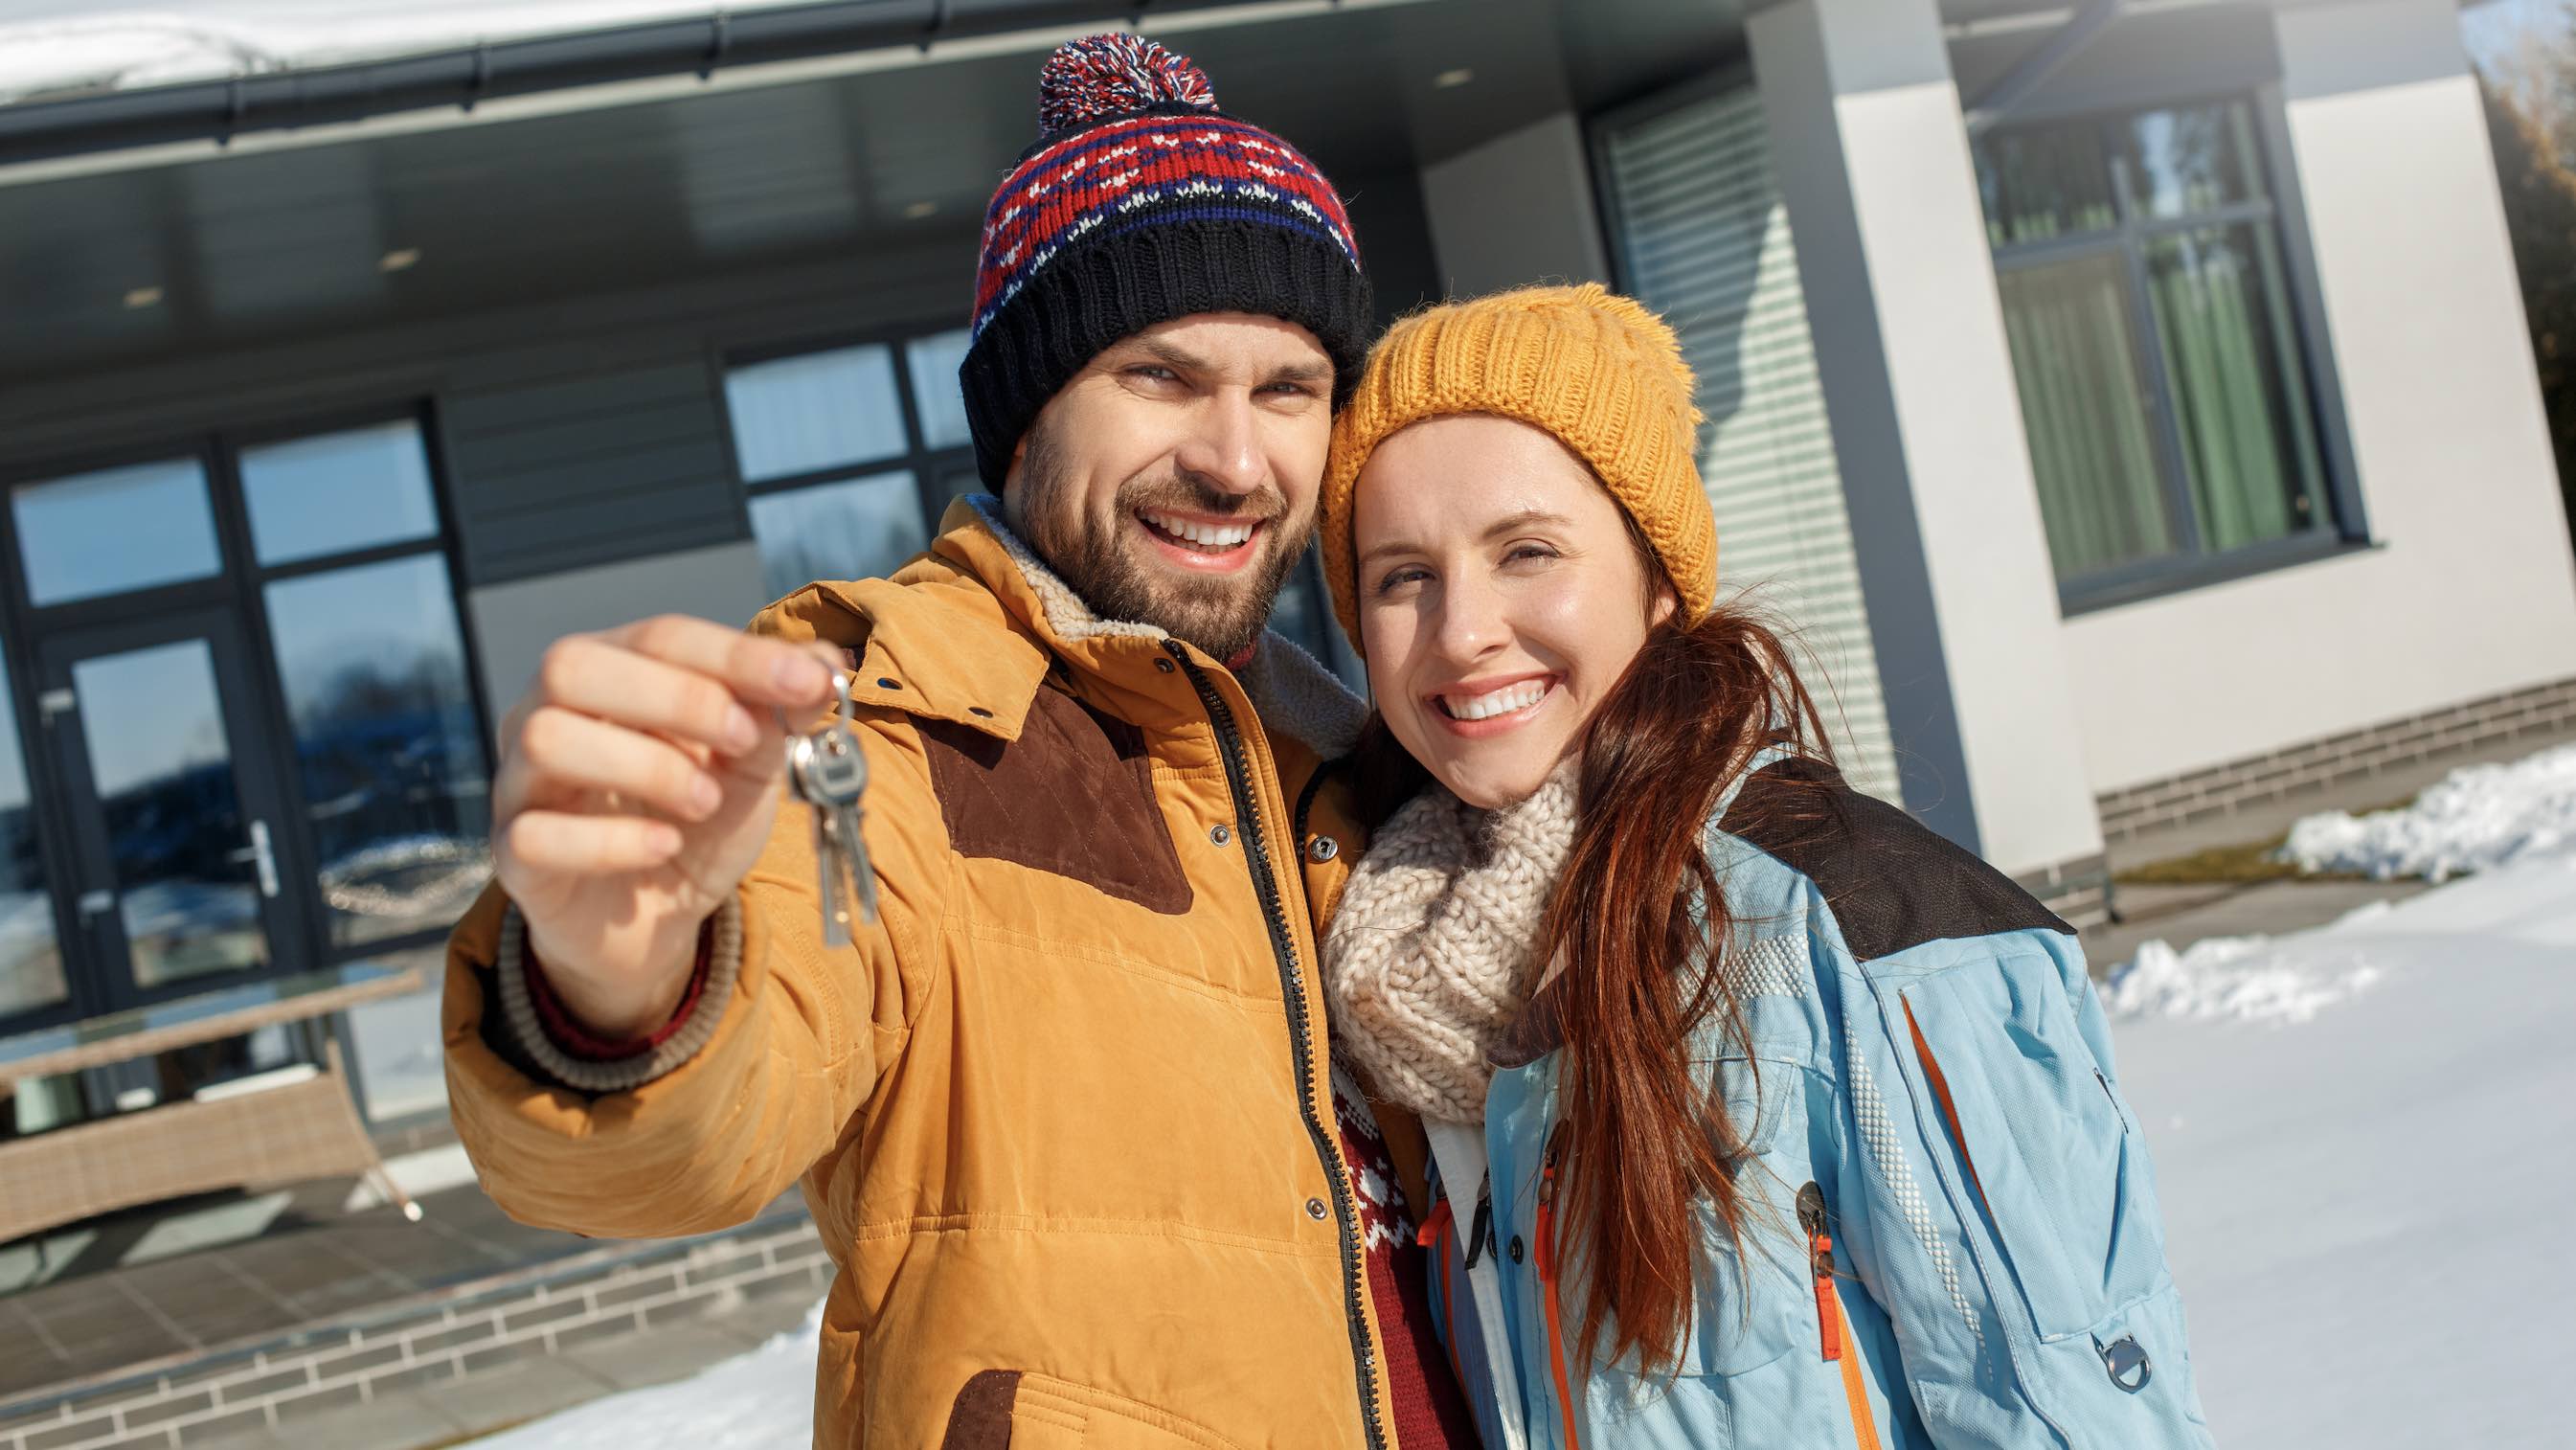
x: 763, y: 1400
x: 58, y: 47
x: 2362, y: 1140
x: 2364, y: 1210
x: 2478, y: 817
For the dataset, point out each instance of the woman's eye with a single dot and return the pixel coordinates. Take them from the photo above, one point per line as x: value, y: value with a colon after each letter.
x: 1522, y: 552
x: 1399, y: 578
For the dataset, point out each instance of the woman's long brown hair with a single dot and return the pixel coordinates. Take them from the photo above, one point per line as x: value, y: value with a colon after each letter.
x: 1641, y: 923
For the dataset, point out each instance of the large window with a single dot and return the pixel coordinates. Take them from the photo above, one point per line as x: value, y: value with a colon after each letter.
x: 850, y: 455
x: 362, y: 620
x: 2162, y: 381
x: 31, y: 958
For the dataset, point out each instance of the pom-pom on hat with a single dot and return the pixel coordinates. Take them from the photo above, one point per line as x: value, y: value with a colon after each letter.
x: 1600, y: 371
x: 1142, y: 202
x: 1102, y: 77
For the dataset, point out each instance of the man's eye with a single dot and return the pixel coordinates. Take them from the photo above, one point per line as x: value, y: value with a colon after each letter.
x: 1151, y: 373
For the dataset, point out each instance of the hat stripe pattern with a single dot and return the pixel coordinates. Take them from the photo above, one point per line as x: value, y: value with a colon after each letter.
x: 1159, y: 168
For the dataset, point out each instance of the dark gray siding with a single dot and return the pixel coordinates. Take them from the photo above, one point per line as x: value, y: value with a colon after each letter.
x: 575, y: 434
x: 590, y: 469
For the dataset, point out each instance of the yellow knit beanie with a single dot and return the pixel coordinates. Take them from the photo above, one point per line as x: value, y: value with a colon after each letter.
x: 1597, y: 370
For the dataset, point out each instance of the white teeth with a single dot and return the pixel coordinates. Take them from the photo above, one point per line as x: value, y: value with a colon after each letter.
x: 1500, y: 702
x: 1206, y: 536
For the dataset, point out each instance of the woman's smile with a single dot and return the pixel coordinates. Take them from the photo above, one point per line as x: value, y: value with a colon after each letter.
x: 1480, y: 708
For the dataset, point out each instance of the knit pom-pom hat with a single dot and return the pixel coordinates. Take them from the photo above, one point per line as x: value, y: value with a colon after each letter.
x: 1142, y: 202
x: 1598, y: 370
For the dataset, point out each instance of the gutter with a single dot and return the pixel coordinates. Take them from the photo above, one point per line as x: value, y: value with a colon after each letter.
x: 462, y: 78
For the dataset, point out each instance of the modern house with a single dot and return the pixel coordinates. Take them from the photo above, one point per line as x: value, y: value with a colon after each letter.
x: 2128, y: 403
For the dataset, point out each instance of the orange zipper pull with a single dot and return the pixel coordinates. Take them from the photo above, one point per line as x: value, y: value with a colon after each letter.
x: 1428, y: 1236
x: 1820, y: 1261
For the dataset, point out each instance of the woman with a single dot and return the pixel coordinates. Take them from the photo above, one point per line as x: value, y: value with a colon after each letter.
x: 1758, y: 1114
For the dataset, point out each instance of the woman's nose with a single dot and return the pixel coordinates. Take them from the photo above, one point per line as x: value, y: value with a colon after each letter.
x: 1471, y: 622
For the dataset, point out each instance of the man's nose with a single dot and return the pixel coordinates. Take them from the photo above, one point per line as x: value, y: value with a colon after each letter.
x: 1223, y: 448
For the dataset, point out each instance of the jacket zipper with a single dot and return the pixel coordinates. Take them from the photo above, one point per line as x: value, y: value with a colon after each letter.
x: 1834, y: 1333
x: 1545, y: 1232
x: 1820, y: 1264
x: 1265, y: 885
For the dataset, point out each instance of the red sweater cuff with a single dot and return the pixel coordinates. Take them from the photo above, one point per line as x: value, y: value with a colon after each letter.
x: 579, y: 1042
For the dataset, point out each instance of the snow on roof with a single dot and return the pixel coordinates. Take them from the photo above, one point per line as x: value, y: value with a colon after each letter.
x: 57, y: 48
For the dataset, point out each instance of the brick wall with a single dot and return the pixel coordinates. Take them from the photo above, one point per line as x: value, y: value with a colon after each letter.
x: 2078, y: 890
x: 566, y: 1302
x: 2541, y: 710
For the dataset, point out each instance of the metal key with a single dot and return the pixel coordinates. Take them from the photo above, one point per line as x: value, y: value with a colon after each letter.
x: 829, y: 773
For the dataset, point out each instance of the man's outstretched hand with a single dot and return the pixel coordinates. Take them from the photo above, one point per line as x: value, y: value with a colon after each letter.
x: 639, y: 779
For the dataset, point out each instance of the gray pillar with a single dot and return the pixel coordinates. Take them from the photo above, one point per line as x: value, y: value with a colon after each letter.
x: 1872, y: 157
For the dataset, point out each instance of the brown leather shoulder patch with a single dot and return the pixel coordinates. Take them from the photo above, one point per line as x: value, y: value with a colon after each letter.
x: 1074, y: 795
x: 981, y: 1419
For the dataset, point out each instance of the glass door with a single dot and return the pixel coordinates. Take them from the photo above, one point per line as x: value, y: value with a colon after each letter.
x: 175, y: 811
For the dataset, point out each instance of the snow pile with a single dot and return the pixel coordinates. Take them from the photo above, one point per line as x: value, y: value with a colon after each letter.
x: 763, y: 1400
x: 77, y: 49
x: 2243, y: 978
x: 2478, y: 818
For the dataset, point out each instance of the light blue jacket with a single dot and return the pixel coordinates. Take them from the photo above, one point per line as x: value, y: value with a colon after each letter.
x: 2011, y: 1294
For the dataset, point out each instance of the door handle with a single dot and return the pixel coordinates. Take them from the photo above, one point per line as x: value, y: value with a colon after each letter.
x: 96, y: 903
x: 262, y: 851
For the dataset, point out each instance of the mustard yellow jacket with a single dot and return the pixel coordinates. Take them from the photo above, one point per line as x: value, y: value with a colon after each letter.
x: 1063, y: 1115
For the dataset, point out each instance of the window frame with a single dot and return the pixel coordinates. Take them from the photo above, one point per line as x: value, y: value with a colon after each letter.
x: 2276, y: 209
x: 927, y: 464
x: 240, y: 588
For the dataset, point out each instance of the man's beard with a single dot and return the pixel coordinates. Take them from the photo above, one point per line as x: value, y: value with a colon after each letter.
x: 1222, y: 616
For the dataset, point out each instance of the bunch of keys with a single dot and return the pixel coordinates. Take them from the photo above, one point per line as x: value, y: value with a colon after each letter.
x: 827, y: 772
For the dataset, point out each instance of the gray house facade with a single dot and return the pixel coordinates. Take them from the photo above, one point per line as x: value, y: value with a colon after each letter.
x: 2127, y: 405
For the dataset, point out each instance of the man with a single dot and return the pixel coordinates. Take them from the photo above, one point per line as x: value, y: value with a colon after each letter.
x: 1063, y: 1113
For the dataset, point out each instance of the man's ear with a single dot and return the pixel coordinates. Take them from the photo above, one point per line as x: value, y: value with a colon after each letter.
x: 1010, y: 489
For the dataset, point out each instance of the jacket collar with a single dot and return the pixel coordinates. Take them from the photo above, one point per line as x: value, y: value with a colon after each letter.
x: 982, y: 582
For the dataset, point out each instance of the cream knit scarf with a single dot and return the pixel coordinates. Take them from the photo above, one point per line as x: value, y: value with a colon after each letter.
x: 1428, y: 958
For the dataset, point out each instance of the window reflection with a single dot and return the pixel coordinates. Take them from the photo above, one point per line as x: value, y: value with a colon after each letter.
x: 386, y: 744
x: 338, y: 492
x: 115, y: 530
x: 821, y: 410
x: 2045, y: 182
x: 162, y: 766
x: 2186, y: 161
x: 936, y: 395
x: 860, y: 529
x: 31, y: 959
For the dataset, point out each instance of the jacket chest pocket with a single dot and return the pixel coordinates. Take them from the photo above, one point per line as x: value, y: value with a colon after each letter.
x: 2041, y: 1137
